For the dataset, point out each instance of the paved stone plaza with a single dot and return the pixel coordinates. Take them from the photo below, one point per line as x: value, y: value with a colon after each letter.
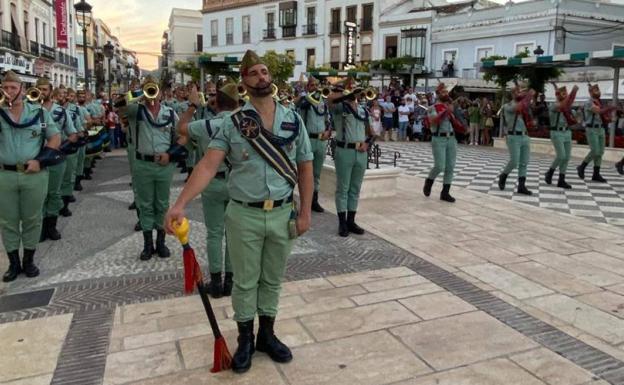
x: 487, y: 291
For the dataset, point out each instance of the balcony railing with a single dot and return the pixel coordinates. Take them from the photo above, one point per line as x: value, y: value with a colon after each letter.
x: 34, y: 48
x: 214, y: 40
x: 11, y: 40
x: 289, y: 31
x: 47, y: 52
x: 366, y: 25
x: 269, y: 34
x: 229, y: 38
x: 334, y: 28
x: 309, y: 29
x: 246, y: 37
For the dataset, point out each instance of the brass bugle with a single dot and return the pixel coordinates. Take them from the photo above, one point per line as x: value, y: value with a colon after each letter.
x: 370, y: 93
x: 151, y: 91
x: 202, y: 99
x: 241, y: 90
x: 275, y: 90
x: 33, y: 94
x: 325, y: 92
x: 3, y: 97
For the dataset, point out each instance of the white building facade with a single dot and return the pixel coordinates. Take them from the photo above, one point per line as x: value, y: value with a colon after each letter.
x: 184, y: 39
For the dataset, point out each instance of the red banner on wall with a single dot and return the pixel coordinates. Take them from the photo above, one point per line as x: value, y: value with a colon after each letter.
x: 61, y: 23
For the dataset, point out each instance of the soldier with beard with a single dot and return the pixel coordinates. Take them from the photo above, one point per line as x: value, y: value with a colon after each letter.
x: 54, y: 204
x: 596, y: 121
x: 29, y: 142
x: 263, y: 141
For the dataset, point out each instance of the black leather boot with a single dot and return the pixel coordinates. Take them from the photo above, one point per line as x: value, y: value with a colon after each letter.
x: 316, y: 207
x: 87, y: 174
x: 51, y: 232
x: 15, y: 268
x: 71, y: 198
x: 522, y: 186
x: 148, y: 246
x: 228, y: 283
x: 137, y: 226
x: 351, y: 225
x: 268, y: 343
x: 549, y: 175
x: 28, y: 265
x: 444, y: 195
x: 215, y: 287
x: 619, y: 166
x: 580, y: 170
x: 241, y: 361
x: 502, y: 180
x: 44, y: 230
x: 562, y: 182
x: 161, y: 249
x: 65, y: 210
x: 427, y: 187
x: 597, y: 177
x: 132, y: 206
x: 77, y: 185
x: 343, y: 230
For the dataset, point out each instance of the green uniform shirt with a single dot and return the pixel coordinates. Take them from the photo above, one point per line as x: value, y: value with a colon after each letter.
x: 63, y: 123
x: 591, y: 118
x: 509, y: 116
x: 202, y: 132
x: 444, y: 126
x: 315, y: 123
x: 76, y: 116
x: 557, y: 120
x: 19, y: 145
x: 180, y: 106
x: 252, y: 179
x: 350, y: 129
x: 151, y: 139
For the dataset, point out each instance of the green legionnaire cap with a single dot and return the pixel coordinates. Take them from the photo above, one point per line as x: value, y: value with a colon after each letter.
x: 11, y: 76
x: 43, y: 82
x: 78, y: 92
x: 312, y: 80
x: 249, y: 60
x: 231, y: 90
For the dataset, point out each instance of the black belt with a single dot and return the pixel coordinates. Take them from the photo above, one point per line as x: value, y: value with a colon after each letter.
x: 447, y: 134
x: 595, y: 126
x: 221, y: 175
x: 516, y: 133
x: 147, y: 158
x: 13, y: 167
x: 348, y: 145
x: 314, y: 136
x: 559, y: 129
x: 267, y: 205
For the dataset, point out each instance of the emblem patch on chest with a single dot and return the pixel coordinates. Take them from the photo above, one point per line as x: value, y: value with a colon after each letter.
x: 34, y: 134
x: 288, y: 126
x: 249, y: 127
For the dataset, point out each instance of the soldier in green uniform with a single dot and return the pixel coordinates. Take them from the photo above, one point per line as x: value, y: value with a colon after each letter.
x: 81, y: 123
x: 595, y: 126
x: 71, y: 150
x: 516, y: 119
x: 152, y: 128
x: 315, y: 115
x: 443, y: 143
x: 353, y: 137
x: 215, y: 197
x: 29, y: 142
x: 54, y: 204
x: 95, y: 113
x: 561, y: 124
x: 269, y: 150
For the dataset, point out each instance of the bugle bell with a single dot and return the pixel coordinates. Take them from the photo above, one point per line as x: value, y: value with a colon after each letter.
x: 242, y: 92
x: 370, y: 93
x: 325, y: 92
x: 33, y: 94
x: 151, y: 91
x: 274, y: 90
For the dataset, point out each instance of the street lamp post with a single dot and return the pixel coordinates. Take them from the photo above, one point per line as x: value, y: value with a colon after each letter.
x: 84, y: 9
x: 109, y: 50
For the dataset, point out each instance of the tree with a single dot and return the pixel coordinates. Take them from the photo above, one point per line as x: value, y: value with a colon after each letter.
x: 187, y: 68
x: 281, y: 66
x: 536, y: 76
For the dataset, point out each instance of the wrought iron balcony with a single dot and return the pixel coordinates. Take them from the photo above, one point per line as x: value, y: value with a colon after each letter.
x: 269, y: 34
x: 309, y: 29
x: 289, y: 31
x: 11, y: 40
x: 246, y: 37
x: 335, y: 28
x: 366, y: 25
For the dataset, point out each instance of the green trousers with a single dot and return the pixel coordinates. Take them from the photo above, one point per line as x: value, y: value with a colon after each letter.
x: 21, y: 207
x: 350, y: 169
x: 444, y: 156
x: 80, y: 160
x: 562, y: 142
x: 259, y: 245
x: 69, y: 176
x: 131, y: 158
x: 519, y: 152
x: 319, y: 149
x: 53, y: 202
x: 153, y: 182
x: 215, y: 199
x: 596, y: 141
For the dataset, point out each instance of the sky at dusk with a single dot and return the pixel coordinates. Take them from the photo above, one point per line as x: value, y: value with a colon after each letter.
x: 140, y: 23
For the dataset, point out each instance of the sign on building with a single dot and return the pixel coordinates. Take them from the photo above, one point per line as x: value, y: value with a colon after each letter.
x: 61, y: 24
x: 350, y: 31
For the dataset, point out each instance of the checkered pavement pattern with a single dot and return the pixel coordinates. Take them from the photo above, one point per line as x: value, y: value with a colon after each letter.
x: 478, y: 168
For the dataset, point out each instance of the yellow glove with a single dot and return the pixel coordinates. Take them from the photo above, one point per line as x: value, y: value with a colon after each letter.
x: 181, y: 230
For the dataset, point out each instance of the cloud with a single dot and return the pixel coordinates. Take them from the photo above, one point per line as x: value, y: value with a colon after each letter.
x: 139, y: 24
